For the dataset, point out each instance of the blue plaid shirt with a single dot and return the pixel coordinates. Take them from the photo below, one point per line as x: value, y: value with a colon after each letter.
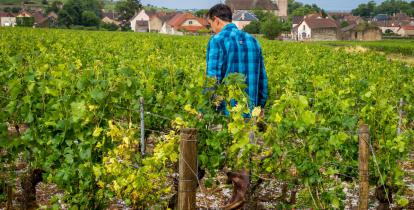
x: 235, y: 51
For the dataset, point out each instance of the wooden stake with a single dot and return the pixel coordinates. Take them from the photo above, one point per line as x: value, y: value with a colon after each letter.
x: 188, y: 170
x: 141, y: 102
x: 363, y: 166
x: 9, y: 191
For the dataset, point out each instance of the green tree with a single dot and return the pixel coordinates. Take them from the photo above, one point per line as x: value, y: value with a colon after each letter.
x: 110, y: 26
x: 201, y: 13
x: 75, y: 9
x: 25, y: 21
x: 65, y: 19
x: 89, y: 18
x: 299, y: 9
x: 252, y: 28
x: 16, y: 9
x: 127, y: 9
x: 391, y: 7
x: 271, y: 28
x: 7, y: 9
x: 55, y: 7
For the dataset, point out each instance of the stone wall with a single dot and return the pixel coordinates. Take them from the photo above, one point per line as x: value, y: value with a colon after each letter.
x: 324, y: 34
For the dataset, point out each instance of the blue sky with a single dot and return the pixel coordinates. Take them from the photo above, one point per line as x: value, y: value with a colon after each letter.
x: 333, y: 5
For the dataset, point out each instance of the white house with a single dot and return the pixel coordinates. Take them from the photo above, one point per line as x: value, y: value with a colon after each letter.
x: 316, y: 29
x: 7, y: 19
x: 140, y: 22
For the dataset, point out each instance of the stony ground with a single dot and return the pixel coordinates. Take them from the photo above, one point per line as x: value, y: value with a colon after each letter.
x: 215, y: 196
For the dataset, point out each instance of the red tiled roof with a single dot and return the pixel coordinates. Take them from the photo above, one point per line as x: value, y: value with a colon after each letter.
x: 39, y: 17
x: 316, y: 23
x: 408, y: 28
x: 6, y: 14
x: 192, y: 28
x: 180, y: 18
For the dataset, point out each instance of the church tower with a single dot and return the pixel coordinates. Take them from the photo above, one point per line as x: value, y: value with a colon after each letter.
x: 283, y: 8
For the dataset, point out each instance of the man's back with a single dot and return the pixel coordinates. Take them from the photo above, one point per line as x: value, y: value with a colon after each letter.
x: 235, y: 51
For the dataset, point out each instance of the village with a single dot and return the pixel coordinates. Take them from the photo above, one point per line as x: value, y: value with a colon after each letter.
x: 311, y: 27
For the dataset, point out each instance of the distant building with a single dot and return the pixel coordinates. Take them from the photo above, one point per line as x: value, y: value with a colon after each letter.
x: 296, y: 20
x: 150, y: 21
x: 316, y: 29
x: 390, y: 26
x: 7, y: 19
x: 24, y: 13
x: 183, y: 23
x: 361, y: 32
x: 140, y: 22
x: 278, y: 7
x: 110, y: 18
x: 406, y: 31
x: 381, y: 17
x: 243, y: 18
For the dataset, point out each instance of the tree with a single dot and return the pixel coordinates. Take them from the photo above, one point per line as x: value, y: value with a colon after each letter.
x: 65, y: 19
x: 299, y: 9
x: 110, y: 26
x: 16, y: 9
x: 252, y: 28
x: 45, y: 2
x: 7, y: 9
x: 55, y: 7
x: 89, y: 18
x: 365, y: 10
x: 73, y: 12
x: 271, y: 28
x: 127, y: 9
x: 201, y: 13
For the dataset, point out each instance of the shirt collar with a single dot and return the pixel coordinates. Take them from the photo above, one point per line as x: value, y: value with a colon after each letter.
x: 229, y: 26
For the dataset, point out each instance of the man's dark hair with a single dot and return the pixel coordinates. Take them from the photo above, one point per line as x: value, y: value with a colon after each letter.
x: 221, y: 11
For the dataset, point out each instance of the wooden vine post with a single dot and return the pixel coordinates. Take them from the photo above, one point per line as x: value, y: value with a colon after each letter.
x: 188, y: 170
x: 363, y: 166
x: 141, y: 110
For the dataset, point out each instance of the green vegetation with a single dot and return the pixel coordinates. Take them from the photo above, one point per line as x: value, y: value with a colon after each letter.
x: 389, y: 7
x: 77, y: 92
x: 404, y: 47
x: 268, y: 24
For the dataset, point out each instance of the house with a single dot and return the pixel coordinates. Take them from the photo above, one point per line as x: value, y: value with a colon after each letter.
x: 110, y: 18
x: 361, y: 32
x: 401, y: 17
x: 353, y: 20
x: 24, y: 13
x: 317, y: 29
x: 389, y: 26
x: 243, y: 18
x: 39, y: 19
x: 296, y: 20
x: 406, y: 31
x: 184, y: 22
x: 278, y: 7
x: 51, y: 20
x: 138, y: 22
x: 7, y: 19
x: 155, y: 21
x: 381, y: 17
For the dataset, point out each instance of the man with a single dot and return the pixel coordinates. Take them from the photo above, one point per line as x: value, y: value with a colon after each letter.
x: 235, y: 51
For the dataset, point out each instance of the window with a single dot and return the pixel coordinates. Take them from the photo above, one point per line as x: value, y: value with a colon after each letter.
x: 304, y: 27
x: 190, y: 22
